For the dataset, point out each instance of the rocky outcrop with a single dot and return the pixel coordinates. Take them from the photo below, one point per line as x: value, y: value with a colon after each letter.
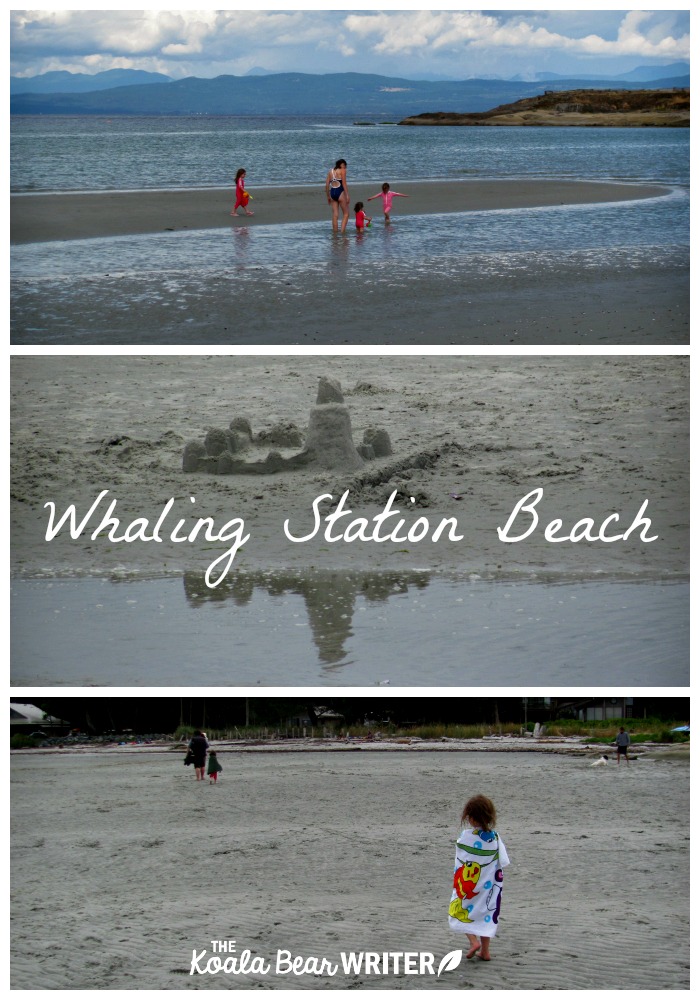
x: 598, y: 108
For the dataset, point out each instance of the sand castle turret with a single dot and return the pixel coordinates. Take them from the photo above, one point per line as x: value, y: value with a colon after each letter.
x: 328, y: 443
x: 329, y: 437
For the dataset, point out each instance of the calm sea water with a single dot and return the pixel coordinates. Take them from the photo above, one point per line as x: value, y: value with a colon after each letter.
x: 97, y: 154
x: 409, y: 629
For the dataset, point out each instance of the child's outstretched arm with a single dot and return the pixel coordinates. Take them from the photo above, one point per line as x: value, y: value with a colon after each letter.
x: 375, y: 196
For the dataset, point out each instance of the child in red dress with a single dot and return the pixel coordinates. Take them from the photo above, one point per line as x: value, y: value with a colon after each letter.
x: 242, y: 196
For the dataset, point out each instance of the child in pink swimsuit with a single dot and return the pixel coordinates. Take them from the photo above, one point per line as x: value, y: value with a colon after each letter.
x: 242, y: 196
x: 361, y: 217
x: 387, y: 197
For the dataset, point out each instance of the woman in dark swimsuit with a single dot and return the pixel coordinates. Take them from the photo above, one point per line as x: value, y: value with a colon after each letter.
x: 338, y: 194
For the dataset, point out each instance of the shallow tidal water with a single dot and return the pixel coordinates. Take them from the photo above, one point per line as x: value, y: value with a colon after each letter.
x: 408, y: 629
x: 301, y: 285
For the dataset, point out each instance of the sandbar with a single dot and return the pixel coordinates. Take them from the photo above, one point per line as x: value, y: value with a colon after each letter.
x: 47, y: 217
x: 122, y: 865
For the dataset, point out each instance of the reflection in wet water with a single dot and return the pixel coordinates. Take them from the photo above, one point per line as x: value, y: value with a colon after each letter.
x: 336, y: 628
x: 329, y: 598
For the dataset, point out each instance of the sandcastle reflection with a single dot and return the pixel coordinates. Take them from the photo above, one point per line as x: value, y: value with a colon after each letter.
x: 330, y: 598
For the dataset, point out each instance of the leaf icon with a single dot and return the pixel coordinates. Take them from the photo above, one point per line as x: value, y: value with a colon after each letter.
x: 450, y: 961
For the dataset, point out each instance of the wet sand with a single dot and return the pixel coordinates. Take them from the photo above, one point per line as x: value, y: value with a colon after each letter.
x: 543, y: 304
x: 123, y: 865
x: 45, y: 217
x: 471, y: 436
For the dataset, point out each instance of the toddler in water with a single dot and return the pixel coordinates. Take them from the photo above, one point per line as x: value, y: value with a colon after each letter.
x: 387, y: 197
x: 213, y: 767
x: 481, y: 856
x: 361, y: 217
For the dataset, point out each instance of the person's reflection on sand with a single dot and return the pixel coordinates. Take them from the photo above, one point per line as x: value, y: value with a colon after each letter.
x: 329, y: 597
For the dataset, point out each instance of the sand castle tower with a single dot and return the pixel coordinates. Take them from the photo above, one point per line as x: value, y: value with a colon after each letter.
x: 329, y: 436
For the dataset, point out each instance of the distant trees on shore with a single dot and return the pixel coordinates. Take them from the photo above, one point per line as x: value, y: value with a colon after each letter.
x: 96, y: 716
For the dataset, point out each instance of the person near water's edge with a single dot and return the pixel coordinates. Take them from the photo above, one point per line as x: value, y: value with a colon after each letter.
x: 337, y: 193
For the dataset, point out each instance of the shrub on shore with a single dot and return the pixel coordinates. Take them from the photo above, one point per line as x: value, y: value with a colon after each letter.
x: 18, y: 741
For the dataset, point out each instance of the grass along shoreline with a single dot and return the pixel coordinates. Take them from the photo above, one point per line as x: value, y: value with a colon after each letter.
x: 562, y: 736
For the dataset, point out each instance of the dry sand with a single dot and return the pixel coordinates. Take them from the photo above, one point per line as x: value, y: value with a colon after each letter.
x: 123, y: 864
x: 471, y: 437
x: 77, y: 216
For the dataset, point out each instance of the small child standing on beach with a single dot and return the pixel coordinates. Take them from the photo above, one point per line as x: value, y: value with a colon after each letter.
x: 387, y: 197
x: 242, y: 196
x: 481, y: 856
x: 361, y: 217
x: 213, y: 767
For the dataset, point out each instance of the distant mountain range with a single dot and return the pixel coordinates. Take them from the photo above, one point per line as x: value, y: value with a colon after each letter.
x: 62, y: 82
x: 640, y: 74
x: 361, y: 95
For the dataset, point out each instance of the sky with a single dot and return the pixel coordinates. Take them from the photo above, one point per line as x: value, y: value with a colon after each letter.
x: 416, y: 44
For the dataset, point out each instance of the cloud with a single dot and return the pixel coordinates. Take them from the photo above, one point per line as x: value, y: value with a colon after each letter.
x: 209, y: 42
x: 415, y: 31
x: 175, y: 39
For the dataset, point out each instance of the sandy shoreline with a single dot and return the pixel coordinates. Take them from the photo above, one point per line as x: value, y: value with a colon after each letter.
x: 572, y: 746
x: 470, y: 436
x: 46, y: 217
x: 121, y: 867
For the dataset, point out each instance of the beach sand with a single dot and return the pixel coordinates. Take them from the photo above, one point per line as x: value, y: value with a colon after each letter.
x: 38, y: 218
x: 471, y: 437
x: 123, y: 865
x: 229, y: 292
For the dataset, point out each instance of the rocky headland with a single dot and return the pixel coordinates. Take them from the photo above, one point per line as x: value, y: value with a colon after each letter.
x: 669, y: 108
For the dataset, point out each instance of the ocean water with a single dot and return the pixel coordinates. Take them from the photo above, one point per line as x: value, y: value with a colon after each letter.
x: 298, y: 282
x: 98, y: 154
x: 340, y: 629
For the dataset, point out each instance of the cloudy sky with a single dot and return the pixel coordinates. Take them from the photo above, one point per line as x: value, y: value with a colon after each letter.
x: 410, y: 43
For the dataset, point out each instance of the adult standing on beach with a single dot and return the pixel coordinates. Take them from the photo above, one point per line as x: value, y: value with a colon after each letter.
x: 622, y: 741
x: 337, y: 193
x: 198, y: 748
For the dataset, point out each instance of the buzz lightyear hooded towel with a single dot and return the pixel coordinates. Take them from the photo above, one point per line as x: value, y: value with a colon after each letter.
x: 475, y: 905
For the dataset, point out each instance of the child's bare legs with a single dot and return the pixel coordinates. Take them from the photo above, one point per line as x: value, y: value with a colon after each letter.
x: 212, y: 779
x: 479, y: 946
x: 386, y: 217
x: 239, y: 204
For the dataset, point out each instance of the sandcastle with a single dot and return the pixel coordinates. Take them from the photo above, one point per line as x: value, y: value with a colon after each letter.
x: 327, y: 444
